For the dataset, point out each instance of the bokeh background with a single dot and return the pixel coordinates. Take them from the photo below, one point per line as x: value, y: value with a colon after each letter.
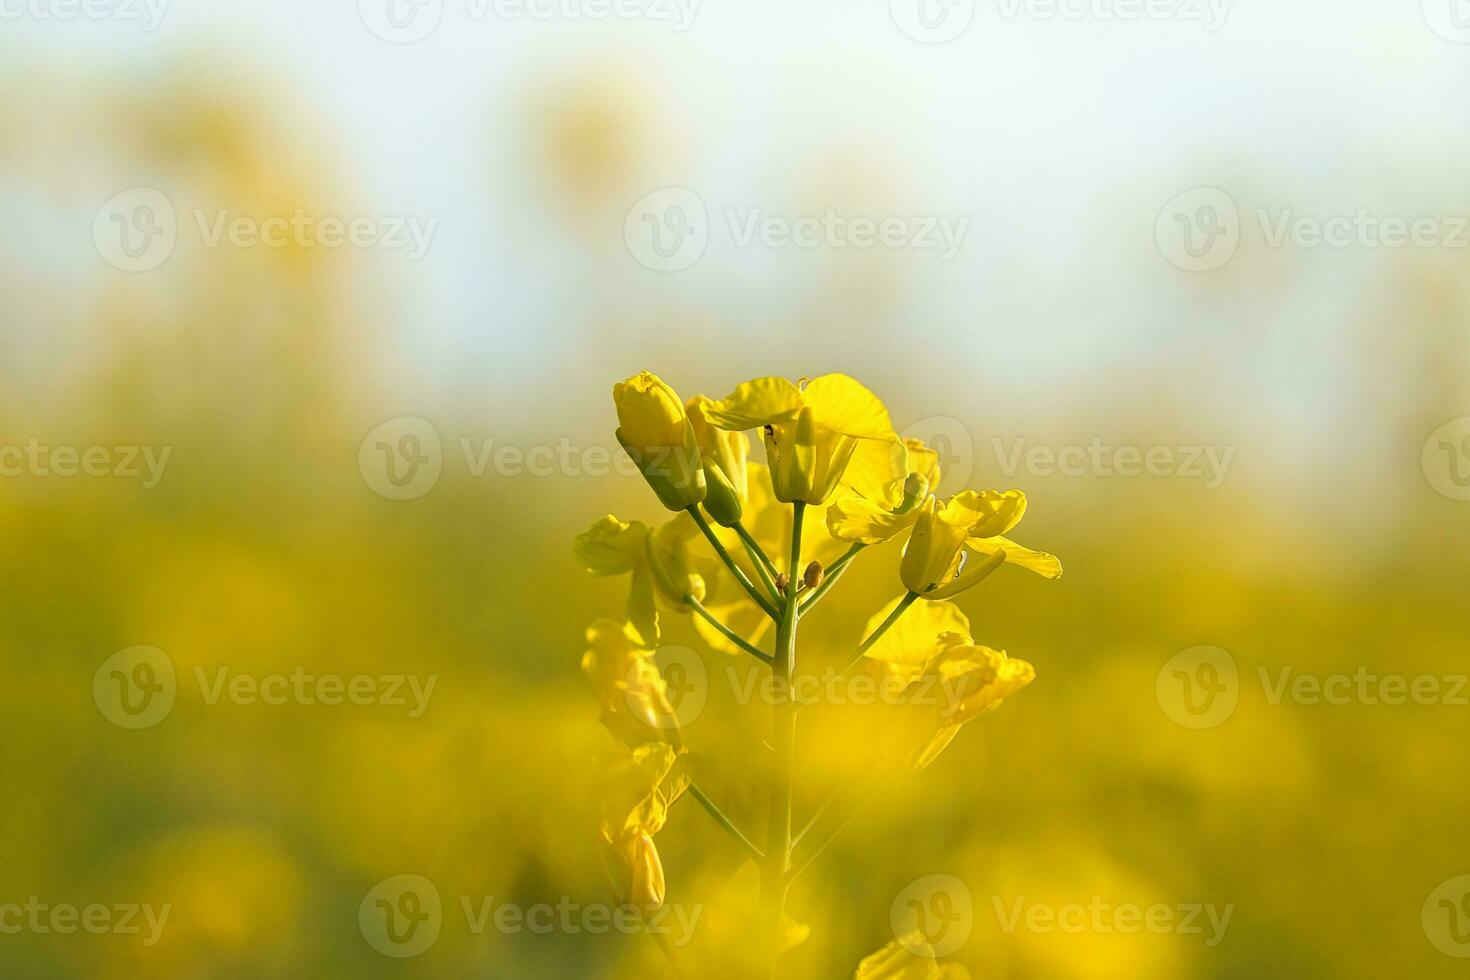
x: 1334, y: 539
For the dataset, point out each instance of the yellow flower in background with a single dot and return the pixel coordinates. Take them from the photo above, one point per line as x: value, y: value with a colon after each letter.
x: 816, y: 432
x: 654, y: 430
x: 962, y: 682
x: 636, y: 796
x: 904, y: 959
x: 658, y: 560
x: 630, y: 690
x: 913, y: 641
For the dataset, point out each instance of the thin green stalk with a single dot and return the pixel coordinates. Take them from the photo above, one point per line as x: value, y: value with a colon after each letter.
x: 727, y: 632
x: 724, y: 821
x: 877, y: 634
x: 783, y: 740
x: 836, y: 831
x: 735, y: 570
x: 763, y: 566
x: 830, y: 578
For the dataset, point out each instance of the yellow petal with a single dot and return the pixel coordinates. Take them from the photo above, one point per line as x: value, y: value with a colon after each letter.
x: 854, y: 518
x: 1043, y: 564
x: 642, y: 611
x: 842, y: 404
x: 933, y: 549
x: 764, y: 401
x: 918, y: 635
x: 923, y: 461
x: 611, y: 546
x: 877, y: 470
x: 987, y: 513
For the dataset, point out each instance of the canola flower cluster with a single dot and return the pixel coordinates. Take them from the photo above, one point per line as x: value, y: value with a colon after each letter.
x: 837, y: 480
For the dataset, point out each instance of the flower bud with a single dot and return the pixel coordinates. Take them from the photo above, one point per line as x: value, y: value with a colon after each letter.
x: 654, y: 430
x: 722, y: 501
x: 813, y: 575
x: 782, y: 581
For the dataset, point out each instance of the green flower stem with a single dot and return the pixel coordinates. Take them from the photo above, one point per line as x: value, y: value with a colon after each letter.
x: 724, y: 821
x: 877, y: 634
x: 830, y: 578
x: 774, y: 882
x: 727, y: 632
x: 740, y: 576
x: 837, y: 830
x: 763, y: 566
